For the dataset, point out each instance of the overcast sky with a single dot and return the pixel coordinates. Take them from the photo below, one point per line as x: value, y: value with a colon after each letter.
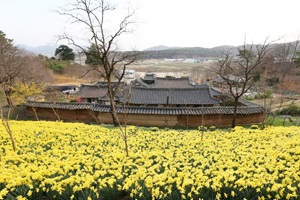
x: 188, y: 23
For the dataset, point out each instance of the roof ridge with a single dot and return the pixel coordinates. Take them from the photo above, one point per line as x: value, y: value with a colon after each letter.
x: 171, y: 88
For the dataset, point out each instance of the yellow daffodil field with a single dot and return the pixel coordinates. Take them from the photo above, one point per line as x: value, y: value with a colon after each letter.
x: 56, y: 160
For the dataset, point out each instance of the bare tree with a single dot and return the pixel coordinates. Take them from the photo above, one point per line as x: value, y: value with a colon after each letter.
x: 280, y: 74
x: 237, y: 73
x: 111, y: 62
x: 53, y: 96
x: 93, y: 114
x: 126, y: 132
x: 10, y: 66
x: 18, y: 66
x: 284, y: 63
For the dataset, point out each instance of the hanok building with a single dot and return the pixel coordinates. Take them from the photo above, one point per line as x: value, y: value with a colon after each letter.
x: 153, y: 101
x: 172, y: 97
x: 97, y: 93
x: 170, y: 92
x: 154, y: 92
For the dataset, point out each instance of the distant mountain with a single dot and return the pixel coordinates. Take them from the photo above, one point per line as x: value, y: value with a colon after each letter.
x: 180, y: 52
x: 46, y: 50
x: 161, y: 51
x: 160, y: 48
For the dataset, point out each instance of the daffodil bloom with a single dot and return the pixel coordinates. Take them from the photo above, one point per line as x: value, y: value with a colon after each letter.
x: 65, y: 158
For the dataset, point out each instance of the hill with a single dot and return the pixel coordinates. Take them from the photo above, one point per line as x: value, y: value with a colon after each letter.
x: 177, y: 52
x: 161, y: 51
x: 160, y: 48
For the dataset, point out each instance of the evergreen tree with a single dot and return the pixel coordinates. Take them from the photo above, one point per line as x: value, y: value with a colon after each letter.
x: 91, y: 56
x: 65, y: 53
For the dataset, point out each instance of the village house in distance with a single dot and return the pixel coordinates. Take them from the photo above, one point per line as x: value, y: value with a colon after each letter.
x: 151, y: 101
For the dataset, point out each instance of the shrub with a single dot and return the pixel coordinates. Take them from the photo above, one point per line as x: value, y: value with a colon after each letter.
x: 272, y: 81
x: 290, y: 110
x: 57, y: 66
x: 265, y: 95
x: 253, y: 126
x: 202, y: 128
x: 249, y: 98
x: 228, y: 102
x: 154, y: 129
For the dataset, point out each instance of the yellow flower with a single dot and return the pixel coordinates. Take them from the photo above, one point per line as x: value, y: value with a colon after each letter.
x: 29, y: 193
x: 59, y: 155
x: 261, y: 198
x: 232, y: 193
x: 21, y: 198
x: 3, y: 193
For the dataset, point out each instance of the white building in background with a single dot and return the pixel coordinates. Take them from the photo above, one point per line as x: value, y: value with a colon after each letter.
x: 190, y: 60
x: 129, y: 74
x: 80, y: 59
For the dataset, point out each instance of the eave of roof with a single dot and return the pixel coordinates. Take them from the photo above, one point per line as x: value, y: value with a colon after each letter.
x: 243, y: 110
x: 92, y: 91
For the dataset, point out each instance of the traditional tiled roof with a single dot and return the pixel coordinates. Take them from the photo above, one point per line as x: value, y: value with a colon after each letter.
x: 213, y: 91
x: 92, y: 91
x: 61, y: 105
x: 245, y: 110
x: 139, y: 83
x: 172, y: 83
x: 173, y: 96
x: 96, y: 90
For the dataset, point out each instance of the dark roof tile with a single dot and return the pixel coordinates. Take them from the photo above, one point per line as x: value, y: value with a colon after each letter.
x: 92, y: 91
x: 246, y: 110
x: 172, y: 83
x: 174, y: 96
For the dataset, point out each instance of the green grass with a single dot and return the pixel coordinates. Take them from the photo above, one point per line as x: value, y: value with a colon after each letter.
x: 282, y: 121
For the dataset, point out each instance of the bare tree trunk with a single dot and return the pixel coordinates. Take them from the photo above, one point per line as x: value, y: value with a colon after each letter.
x: 92, y: 113
x: 267, y: 111
x: 113, y: 112
x: 236, y: 101
x: 56, y: 114
x: 187, y: 119
x: 283, y: 122
x: 125, y: 137
x: 124, y: 133
x: 202, y: 123
x: 35, y: 113
x: 5, y: 123
x: 8, y: 96
x: 111, y: 94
